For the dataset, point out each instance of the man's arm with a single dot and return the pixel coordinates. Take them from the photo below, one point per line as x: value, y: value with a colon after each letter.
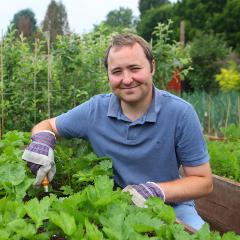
x: 48, y: 124
x: 196, y: 183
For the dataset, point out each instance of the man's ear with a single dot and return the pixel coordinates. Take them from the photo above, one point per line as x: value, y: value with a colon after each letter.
x: 153, y: 67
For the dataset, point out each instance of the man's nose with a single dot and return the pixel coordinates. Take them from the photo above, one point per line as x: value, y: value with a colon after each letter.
x: 127, y: 78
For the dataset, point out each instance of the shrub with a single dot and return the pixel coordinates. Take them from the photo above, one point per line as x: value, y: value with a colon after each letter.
x: 229, y: 78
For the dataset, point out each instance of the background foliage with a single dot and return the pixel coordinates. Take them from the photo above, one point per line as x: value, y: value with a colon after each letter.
x: 208, y: 53
x: 70, y: 74
x: 229, y: 78
x: 40, y: 80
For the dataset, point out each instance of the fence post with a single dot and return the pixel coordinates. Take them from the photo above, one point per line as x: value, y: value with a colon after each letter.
x: 182, y: 33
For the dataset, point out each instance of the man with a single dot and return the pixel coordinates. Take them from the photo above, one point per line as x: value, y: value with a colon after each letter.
x: 147, y: 132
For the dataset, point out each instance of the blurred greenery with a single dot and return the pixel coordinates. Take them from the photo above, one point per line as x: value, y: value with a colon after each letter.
x: 37, y: 84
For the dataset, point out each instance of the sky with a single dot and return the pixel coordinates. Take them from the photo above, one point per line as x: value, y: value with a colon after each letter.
x: 82, y: 14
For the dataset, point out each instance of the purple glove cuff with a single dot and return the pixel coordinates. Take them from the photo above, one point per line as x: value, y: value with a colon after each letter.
x: 45, y: 138
x: 41, y: 142
x: 149, y: 189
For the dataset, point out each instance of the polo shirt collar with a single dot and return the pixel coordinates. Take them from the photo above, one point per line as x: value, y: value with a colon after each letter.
x: 114, y: 108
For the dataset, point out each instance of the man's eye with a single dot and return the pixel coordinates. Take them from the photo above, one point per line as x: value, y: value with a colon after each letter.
x: 116, y: 72
x: 135, y: 69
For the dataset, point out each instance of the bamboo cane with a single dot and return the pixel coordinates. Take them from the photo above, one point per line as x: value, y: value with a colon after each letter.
x: 49, y: 75
x: 239, y: 110
x: 34, y: 82
x: 209, y: 114
x: 228, y: 111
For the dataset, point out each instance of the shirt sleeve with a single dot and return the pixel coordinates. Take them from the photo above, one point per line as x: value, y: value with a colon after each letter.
x: 191, y: 147
x: 74, y: 123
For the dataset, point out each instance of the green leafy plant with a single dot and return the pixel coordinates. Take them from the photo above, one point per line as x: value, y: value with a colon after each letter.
x: 14, y: 181
x: 232, y: 132
x: 225, y: 159
x: 169, y: 56
x: 96, y: 211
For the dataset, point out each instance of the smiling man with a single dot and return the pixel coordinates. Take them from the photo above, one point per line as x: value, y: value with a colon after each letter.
x: 130, y: 76
x: 148, y: 133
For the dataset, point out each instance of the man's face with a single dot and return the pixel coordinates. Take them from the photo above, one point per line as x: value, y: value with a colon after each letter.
x: 130, y: 74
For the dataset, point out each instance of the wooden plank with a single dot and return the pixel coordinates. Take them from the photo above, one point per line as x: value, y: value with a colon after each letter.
x: 221, y: 208
x: 187, y: 228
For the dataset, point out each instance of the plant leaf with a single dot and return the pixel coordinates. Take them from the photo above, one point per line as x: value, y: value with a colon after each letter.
x: 64, y: 221
x: 38, y: 210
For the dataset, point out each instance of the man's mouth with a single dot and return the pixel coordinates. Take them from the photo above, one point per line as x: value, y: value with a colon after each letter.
x: 130, y: 87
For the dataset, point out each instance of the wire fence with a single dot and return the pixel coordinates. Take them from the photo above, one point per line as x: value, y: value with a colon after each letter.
x: 215, y: 111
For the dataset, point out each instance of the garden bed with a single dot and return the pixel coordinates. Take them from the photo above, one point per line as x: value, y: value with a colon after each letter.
x: 221, y: 208
x: 84, y: 204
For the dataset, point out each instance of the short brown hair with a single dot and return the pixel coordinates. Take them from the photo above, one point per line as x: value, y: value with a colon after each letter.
x: 129, y: 40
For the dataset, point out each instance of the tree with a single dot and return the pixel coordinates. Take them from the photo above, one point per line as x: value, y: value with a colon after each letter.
x: 145, y: 5
x: 120, y: 18
x: 201, y: 15
x: 151, y: 19
x: 55, y: 20
x: 25, y: 23
x: 207, y: 52
x: 228, y: 23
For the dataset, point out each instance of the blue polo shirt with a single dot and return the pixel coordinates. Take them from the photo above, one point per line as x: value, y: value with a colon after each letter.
x: 150, y: 148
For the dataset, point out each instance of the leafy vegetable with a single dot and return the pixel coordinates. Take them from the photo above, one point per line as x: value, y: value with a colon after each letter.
x: 63, y: 220
x: 91, y: 210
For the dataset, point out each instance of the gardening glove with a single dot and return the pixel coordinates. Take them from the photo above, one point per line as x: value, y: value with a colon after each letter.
x: 140, y: 193
x: 40, y: 156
